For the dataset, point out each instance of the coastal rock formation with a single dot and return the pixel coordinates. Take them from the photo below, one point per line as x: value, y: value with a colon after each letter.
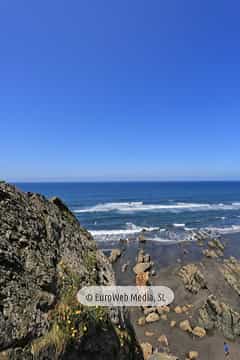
x: 231, y: 272
x: 192, y: 278
x: 45, y: 257
x: 221, y: 316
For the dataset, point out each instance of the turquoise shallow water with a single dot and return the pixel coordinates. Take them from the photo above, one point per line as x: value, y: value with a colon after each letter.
x: 167, y: 210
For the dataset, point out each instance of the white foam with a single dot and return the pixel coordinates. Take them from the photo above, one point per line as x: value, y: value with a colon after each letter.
x: 225, y: 230
x: 131, y: 230
x: 130, y: 207
x: 179, y: 225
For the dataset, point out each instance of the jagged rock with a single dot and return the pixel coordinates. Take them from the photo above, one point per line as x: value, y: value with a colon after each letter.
x: 220, y: 316
x: 231, y: 272
x: 141, y: 267
x: 192, y: 278
x: 46, y: 256
x: 115, y: 254
x: 199, y: 332
x: 152, y: 317
x: 147, y: 350
x: 185, y: 326
x: 210, y: 253
x: 142, y: 279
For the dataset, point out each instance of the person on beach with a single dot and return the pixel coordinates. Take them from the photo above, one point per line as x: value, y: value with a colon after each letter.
x: 226, y: 349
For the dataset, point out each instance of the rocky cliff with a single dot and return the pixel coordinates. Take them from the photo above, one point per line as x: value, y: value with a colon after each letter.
x: 45, y: 257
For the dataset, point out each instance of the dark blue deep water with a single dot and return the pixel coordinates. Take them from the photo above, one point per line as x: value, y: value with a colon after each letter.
x: 164, y: 209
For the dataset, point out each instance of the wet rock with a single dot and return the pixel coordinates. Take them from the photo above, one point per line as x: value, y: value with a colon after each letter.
x: 115, y: 254
x: 192, y: 278
x: 221, y: 316
x: 152, y: 317
x: 147, y: 350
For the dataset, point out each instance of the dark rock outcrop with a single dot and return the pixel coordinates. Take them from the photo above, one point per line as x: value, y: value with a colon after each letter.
x: 218, y: 315
x: 45, y: 257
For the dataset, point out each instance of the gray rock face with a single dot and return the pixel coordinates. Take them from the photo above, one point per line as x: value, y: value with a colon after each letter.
x: 220, y: 316
x: 41, y: 243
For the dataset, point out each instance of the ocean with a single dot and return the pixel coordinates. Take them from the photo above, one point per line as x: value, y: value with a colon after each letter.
x: 167, y: 211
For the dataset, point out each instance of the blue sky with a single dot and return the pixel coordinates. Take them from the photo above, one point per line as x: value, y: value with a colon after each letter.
x: 94, y: 90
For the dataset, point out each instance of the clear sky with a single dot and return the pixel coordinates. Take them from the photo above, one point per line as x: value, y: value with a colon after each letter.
x: 130, y: 89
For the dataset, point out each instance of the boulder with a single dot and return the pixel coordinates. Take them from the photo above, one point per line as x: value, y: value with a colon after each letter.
x: 152, y: 317
x: 178, y: 310
x: 199, y: 332
x: 185, y: 326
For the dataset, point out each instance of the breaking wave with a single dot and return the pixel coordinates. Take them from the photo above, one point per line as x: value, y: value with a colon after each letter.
x: 130, y: 207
